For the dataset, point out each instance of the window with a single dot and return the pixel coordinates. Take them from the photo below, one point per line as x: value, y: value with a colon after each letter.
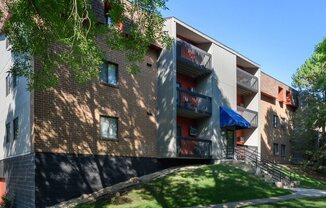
x: 109, y: 127
x: 108, y: 20
x: 283, y: 123
x: 16, y: 128
x: 283, y: 150
x: 275, y: 121
x: 8, y: 84
x: 109, y: 73
x: 275, y: 149
x: 7, y: 132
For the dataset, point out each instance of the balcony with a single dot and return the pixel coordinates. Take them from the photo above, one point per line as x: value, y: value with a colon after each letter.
x: 291, y: 99
x: 194, y: 147
x: 192, y: 61
x: 193, y: 105
x: 250, y: 115
x: 247, y: 82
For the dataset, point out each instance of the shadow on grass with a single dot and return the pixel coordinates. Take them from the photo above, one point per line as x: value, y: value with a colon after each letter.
x: 209, y: 185
x: 307, y: 203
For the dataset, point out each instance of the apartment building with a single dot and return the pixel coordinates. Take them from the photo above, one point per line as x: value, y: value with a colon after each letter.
x: 202, y: 87
x: 277, y: 106
x: 191, y: 103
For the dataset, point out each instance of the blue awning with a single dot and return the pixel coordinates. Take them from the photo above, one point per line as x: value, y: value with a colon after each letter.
x: 230, y: 118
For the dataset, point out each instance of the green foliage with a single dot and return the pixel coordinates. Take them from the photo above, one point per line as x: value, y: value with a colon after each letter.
x: 310, y: 79
x: 6, y: 201
x: 63, y: 33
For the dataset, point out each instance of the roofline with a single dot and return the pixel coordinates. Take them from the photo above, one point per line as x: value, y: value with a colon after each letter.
x: 213, y: 40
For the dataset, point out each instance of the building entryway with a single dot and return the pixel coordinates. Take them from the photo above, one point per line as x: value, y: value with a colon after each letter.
x: 230, y: 142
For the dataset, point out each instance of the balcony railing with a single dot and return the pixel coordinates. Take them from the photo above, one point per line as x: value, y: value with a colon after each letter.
x: 247, y: 80
x: 192, y: 55
x: 291, y: 98
x: 249, y: 115
x: 194, y: 147
x: 194, y: 102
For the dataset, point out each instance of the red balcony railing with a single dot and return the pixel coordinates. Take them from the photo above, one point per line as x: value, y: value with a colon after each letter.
x: 195, y: 102
x: 194, y: 147
x: 193, y: 55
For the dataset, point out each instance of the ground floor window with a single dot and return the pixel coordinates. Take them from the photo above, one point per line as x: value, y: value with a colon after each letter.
x: 109, y: 127
x: 275, y: 149
x: 283, y: 150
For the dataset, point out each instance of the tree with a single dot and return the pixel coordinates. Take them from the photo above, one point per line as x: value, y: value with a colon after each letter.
x: 310, y: 79
x: 36, y: 27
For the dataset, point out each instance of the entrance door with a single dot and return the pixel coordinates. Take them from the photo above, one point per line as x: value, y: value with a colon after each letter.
x: 229, y: 143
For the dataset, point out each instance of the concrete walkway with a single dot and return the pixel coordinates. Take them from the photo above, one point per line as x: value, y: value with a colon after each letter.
x: 298, y: 193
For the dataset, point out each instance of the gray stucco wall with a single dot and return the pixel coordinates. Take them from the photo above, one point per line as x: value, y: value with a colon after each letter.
x: 224, y: 93
x: 15, y: 104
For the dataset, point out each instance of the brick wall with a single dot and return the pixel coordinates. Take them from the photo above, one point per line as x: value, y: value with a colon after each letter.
x: 20, y: 179
x: 270, y: 106
x: 67, y: 117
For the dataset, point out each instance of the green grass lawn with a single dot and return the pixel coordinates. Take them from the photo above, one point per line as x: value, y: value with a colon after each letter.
x: 207, y: 185
x: 305, y: 180
x: 297, y: 203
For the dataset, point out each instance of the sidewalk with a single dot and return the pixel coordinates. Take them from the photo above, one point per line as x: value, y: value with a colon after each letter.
x: 298, y: 193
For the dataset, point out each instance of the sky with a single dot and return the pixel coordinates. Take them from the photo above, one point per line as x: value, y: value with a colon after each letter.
x: 277, y: 34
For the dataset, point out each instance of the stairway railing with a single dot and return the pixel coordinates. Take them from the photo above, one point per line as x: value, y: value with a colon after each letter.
x: 278, y: 173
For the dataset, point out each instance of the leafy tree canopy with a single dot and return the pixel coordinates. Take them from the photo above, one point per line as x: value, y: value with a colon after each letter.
x: 310, y: 79
x: 36, y: 27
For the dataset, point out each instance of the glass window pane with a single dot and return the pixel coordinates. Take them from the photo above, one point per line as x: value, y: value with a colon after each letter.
x: 113, y: 128
x: 16, y: 128
x: 104, y: 127
x: 104, y: 73
x: 109, y: 127
x: 108, y: 20
x: 112, y: 74
x: 7, y: 132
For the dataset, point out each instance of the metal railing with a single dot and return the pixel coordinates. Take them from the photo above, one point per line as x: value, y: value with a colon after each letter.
x: 194, y: 101
x: 250, y: 115
x: 193, y: 147
x: 277, y: 173
x: 193, y: 55
x: 247, y: 80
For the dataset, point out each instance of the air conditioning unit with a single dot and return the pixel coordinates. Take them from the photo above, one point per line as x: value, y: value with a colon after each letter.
x: 193, y: 131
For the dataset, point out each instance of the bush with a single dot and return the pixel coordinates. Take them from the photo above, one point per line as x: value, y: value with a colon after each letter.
x: 6, y: 201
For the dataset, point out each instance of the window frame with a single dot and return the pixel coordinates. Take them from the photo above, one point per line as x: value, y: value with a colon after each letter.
x: 8, y: 84
x: 16, y: 128
x: 275, y: 121
x: 8, y: 132
x: 106, y: 82
x: 117, y: 130
x: 276, y: 153
x: 283, y: 150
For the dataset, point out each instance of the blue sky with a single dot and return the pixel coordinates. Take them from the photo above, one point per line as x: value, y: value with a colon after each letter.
x: 278, y: 34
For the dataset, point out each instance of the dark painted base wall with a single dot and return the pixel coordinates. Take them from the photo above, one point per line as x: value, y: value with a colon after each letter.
x: 60, y: 177
x: 20, y: 179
